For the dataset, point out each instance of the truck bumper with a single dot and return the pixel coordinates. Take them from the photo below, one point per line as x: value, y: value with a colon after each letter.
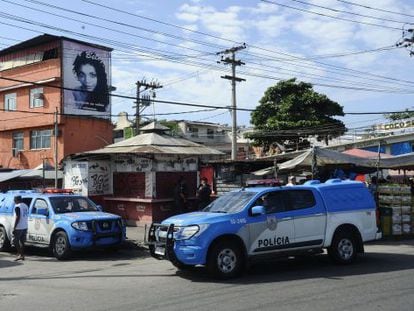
x: 172, y: 250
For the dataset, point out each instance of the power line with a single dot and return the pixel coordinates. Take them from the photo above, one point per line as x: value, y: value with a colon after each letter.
x: 113, y: 22
x: 107, y: 28
x: 129, y: 97
x: 180, y: 112
x: 187, y: 63
x: 169, y: 57
x: 375, y: 9
x: 324, y: 56
x: 225, y: 39
x: 175, y: 102
x: 330, y: 16
x: 351, y: 13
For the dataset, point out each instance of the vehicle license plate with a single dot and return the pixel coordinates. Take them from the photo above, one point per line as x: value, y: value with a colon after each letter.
x: 159, y: 250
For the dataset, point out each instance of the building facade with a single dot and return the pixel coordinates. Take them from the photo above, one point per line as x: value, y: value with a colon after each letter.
x: 217, y: 136
x: 51, y: 82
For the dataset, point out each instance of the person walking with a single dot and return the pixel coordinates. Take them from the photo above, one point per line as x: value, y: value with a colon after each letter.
x: 21, y: 211
x: 203, y: 194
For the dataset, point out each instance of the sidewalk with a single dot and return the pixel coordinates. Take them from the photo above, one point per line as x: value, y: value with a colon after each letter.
x: 136, y: 235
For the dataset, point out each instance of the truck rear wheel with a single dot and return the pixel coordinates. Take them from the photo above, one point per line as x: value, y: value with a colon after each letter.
x: 343, y: 248
x: 225, y: 260
x: 60, y: 246
x: 4, y: 240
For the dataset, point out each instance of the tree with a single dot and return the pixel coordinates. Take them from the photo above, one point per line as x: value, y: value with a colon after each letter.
x: 290, y: 112
x: 400, y: 115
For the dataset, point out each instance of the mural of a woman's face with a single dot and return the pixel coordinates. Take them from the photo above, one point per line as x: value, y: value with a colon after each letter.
x: 87, y: 77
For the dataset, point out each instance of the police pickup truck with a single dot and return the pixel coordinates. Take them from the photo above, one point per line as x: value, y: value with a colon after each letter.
x: 62, y: 221
x: 253, y: 223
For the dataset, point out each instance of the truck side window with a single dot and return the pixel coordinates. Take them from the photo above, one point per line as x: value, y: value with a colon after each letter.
x: 275, y: 202
x: 301, y: 199
x: 39, y: 204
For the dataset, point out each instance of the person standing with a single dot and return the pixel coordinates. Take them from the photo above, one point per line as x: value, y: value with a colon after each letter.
x: 291, y: 181
x: 21, y: 211
x: 203, y: 194
x: 180, y: 196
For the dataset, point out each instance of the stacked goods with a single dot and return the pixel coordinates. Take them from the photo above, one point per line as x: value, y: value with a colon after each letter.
x: 395, y: 202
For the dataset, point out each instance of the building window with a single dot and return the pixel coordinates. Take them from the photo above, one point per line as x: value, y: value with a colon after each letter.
x: 36, y: 97
x: 210, y: 134
x: 193, y: 131
x: 40, y: 139
x: 17, y: 143
x: 10, y: 101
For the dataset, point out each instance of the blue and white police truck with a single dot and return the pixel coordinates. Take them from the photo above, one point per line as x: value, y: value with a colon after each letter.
x: 62, y: 221
x: 253, y: 223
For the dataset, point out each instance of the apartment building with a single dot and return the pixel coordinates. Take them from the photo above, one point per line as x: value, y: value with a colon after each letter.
x: 47, y: 83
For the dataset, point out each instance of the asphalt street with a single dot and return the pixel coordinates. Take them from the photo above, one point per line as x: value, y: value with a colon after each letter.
x: 383, y: 279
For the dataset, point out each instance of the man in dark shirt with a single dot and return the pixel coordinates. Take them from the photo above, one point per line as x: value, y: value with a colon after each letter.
x: 180, y: 196
x: 203, y: 194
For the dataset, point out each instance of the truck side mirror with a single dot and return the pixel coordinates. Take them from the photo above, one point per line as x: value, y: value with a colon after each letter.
x: 99, y: 207
x: 258, y: 210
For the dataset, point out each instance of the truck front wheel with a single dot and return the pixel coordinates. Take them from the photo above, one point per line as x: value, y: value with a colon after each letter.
x: 343, y: 248
x: 60, y: 246
x: 225, y: 260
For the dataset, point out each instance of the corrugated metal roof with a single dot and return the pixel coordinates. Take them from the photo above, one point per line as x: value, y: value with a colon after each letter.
x: 153, y: 143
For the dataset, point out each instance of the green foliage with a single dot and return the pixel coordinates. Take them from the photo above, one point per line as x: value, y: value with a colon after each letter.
x: 172, y: 125
x: 129, y: 132
x: 290, y: 112
x: 400, y: 115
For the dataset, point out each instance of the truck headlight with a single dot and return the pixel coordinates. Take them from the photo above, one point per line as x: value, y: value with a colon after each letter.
x: 185, y: 233
x: 80, y: 225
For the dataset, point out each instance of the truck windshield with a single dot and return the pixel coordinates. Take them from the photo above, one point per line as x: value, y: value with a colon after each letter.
x: 72, y: 204
x: 230, y: 202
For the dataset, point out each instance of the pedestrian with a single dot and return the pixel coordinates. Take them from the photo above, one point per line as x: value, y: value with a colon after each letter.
x: 291, y: 181
x: 180, y: 196
x: 203, y: 194
x: 21, y: 211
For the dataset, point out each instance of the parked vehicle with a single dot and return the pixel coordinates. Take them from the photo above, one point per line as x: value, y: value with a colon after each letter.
x: 62, y: 221
x: 252, y: 223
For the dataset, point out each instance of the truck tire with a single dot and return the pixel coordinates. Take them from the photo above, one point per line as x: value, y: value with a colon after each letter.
x: 4, y: 240
x: 225, y: 260
x: 60, y: 246
x: 343, y: 249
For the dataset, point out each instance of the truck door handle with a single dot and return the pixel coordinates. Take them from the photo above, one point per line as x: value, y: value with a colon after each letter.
x: 319, y: 214
x: 286, y: 218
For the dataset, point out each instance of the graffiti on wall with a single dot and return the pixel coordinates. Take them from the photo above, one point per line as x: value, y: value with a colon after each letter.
x: 99, y: 178
x: 88, y: 178
x: 132, y: 163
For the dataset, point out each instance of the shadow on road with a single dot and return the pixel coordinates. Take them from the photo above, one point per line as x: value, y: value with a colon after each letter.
x: 8, y: 263
x: 123, y: 253
x: 309, y: 268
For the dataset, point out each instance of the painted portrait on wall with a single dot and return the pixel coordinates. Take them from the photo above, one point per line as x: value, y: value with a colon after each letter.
x: 86, y: 79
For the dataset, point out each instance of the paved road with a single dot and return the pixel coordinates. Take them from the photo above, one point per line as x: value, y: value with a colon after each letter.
x: 129, y: 280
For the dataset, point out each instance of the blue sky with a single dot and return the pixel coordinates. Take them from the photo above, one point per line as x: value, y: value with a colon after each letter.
x: 278, y: 40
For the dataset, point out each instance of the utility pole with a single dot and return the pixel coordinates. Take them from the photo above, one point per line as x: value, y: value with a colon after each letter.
x: 407, y: 40
x: 232, y: 60
x: 143, y: 101
x: 56, y: 148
